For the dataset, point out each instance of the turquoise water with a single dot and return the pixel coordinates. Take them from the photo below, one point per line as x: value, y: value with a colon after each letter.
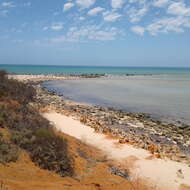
x: 46, y: 69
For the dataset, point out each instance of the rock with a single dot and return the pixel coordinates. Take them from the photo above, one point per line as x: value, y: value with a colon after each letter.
x: 122, y: 141
x: 187, y: 143
x: 83, y: 120
x: 120, y: 172
x: 180, y: 174
x: 183, y: 156
x: 153, y: 148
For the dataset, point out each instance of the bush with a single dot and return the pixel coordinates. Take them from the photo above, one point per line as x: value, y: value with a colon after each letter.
x: 3, y: 74
x: 22, y: 138
x: 43, y: 133
x: 8, y: 151
x: 29, y: 130
x: 46, y: 149
x: 50, y: 152
x: 15, y: 90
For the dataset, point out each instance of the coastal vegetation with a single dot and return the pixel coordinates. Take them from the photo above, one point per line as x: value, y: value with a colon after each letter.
x: 23, y: 128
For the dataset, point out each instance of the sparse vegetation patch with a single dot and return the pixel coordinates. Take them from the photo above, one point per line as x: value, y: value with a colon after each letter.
x: 29, y: 130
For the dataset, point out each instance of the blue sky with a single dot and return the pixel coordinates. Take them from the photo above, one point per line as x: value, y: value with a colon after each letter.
x: 95, y: 32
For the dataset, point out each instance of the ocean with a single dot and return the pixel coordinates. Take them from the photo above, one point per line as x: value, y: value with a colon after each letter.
x: 51, y: 69
x: 163, y: 93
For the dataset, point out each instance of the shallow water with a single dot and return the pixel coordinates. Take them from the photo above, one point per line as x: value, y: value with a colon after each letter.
x: 163, y: 96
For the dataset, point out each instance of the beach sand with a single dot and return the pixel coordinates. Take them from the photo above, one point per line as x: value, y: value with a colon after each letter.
x: 158, y: 173
x: 36, y: 78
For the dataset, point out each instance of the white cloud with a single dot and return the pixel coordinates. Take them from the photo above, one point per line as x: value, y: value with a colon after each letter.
x: 67, y: 6
x: 179, y: 8
x: 135, y: 15
x: 85, y: 33
x: 116, y: 4
x: 57, y: 26
x: 176, y: 24
x: 85, y: 3
x: 8, y: 4
x: 111, y: 16
x: 95, y: 11
x: 138, y: 30
x: 165, y: 25
x: 161, y: 3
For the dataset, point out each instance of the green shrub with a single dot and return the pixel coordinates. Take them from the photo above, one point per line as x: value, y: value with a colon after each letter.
x: 44, y: 133
x: 50, y: 152
x: 22, y: 138
x: 29, y: 130
x: 8, y: 151
x: 3, y: 75
x: 15, y: 90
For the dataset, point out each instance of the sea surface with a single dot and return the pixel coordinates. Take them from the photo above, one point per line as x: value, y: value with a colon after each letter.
x: 53, y: 69
x: 163, y: 93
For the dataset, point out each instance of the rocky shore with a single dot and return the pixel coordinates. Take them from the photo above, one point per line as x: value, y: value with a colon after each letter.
x: 163, y: 140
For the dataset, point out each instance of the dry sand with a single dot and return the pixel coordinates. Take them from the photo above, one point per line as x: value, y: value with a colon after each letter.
x: 36, y: 78
x: 163, y: 174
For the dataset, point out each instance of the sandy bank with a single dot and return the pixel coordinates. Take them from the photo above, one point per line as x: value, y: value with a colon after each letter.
x: 163, y: 174
x: 46, y: 77
x: 36, y: 78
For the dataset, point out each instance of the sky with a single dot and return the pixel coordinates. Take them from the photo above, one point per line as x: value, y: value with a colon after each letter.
x: 95, y: 32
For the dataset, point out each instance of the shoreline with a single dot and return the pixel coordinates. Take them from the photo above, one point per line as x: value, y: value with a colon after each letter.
x: 139, y: 130
x: 163, y: 140
x: 34, y: 79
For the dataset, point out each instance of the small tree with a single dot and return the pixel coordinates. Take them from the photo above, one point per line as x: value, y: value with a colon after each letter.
x: 3, y: 74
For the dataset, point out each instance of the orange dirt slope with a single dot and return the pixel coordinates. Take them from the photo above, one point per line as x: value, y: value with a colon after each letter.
x: 90, y: 166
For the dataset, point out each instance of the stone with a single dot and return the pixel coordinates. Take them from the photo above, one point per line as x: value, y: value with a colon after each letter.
x: 122, y: 173
x: 180, y: 174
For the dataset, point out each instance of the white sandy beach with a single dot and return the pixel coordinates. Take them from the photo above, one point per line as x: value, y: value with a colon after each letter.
x: 162, y: 174
x: 36, y: 78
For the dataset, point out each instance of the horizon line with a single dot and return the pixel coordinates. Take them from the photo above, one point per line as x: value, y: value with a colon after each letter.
x: 97, y: 66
